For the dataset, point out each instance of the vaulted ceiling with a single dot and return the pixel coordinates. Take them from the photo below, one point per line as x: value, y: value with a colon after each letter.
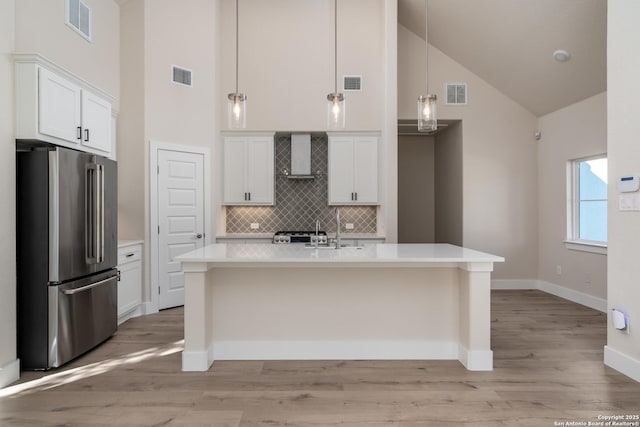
x: 510, y: 44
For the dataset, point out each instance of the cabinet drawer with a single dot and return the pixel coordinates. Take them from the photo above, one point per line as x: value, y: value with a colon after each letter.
x: 129, y: 254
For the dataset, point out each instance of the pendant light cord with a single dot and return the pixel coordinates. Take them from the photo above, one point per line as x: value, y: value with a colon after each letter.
x: 237, y: 9
x: 426, y: 44
x: 335, y: 47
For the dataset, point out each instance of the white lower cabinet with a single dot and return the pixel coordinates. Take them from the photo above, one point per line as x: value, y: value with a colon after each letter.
x: 130, y: 284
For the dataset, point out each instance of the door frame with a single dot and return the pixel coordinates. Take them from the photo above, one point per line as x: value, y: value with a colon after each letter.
x: 154, y: 147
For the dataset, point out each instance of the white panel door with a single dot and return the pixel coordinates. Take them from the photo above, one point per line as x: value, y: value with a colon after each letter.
x: 59, y: 104
x: 180, y: 218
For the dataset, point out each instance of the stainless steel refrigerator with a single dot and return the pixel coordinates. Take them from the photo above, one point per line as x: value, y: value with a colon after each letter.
x: 66, y: 254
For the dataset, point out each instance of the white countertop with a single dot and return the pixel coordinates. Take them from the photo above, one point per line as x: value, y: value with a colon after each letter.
x: 125, y: 243
x: 227, y: 254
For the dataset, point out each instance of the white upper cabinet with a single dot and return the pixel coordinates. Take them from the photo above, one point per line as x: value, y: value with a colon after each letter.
x: 248, y: 170
x: 353, y: 170
x: 96, y: 122
x: 59, y: 107
x: 54, y: 106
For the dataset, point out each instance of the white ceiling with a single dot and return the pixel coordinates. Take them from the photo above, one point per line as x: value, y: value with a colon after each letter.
x: 509, y: 44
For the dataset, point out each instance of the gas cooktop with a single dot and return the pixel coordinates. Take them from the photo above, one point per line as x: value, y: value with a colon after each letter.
x: 300, y: 237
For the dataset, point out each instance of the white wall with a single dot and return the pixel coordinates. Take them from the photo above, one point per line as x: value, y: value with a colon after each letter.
x: 623, y: 127
x: 286, y: 61
x: 156, y: 35
x: 8, y: 363
x: 576, y: 131
x: 131, y: 130
x: 41, y: 28
x: 499, y: 157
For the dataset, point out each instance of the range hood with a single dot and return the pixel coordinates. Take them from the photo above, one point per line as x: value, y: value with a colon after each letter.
x: 300, y: 156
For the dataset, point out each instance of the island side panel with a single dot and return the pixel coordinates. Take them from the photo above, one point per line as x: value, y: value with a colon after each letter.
x: 475, y: 320
x: 198, y: 339
x: 335, y: 313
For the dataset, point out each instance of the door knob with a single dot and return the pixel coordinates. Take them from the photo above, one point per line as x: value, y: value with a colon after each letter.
x: 199, y: 236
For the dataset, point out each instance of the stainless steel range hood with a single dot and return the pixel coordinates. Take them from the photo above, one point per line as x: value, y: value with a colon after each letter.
x: 300, y: 156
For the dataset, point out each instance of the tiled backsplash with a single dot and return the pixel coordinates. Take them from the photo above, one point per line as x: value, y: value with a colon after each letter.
x: 299, y: 202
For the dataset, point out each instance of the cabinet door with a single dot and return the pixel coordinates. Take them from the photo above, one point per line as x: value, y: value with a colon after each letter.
x: 234, y: 171
x: 341, y: 176
x: 366, y: 170
x: 59, y: 103
x: 259, y: 170
x: 130, y: 284
x: 96, y: 122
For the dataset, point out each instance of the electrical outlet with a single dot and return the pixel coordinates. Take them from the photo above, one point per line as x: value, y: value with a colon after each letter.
x: 559, y: 270
x: 348, y: 226
x: 255, y: 225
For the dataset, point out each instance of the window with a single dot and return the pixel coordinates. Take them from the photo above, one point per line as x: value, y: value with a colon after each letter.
x: 587, y: 219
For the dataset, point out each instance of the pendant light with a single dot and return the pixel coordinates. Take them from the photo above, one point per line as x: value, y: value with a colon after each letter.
x: 427, y: 120
x: 336, y: 102
x: 237, y: 102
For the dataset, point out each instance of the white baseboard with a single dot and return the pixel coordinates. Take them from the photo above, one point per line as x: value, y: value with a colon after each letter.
x: 197, y: 361
x: 9, y: 373
x: 622, y: 363
x: 590, y: 301
x: 130, y: 314
x: 476, y: 360
x: 148, y: 307
x: 335, y: 350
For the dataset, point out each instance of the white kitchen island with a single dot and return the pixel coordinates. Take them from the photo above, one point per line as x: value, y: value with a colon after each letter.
x: 381, y: 301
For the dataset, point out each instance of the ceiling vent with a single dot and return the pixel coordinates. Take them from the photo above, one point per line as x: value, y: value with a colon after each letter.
x: 78, y: 17
x: 456, y: 93
x: 181, y: 75
x: 352, y: 83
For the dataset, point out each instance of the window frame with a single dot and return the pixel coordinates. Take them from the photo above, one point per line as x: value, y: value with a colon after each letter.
x: 573, y: 241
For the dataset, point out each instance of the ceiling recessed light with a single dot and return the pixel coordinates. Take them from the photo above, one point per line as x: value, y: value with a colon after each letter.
x: 561, y: 55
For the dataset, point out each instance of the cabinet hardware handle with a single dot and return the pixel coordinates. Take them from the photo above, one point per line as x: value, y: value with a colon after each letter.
x: 86, y: 135
x: 356, y: 193
x: 249, y: 195
x: 79, y: 134
x: 130, y: 255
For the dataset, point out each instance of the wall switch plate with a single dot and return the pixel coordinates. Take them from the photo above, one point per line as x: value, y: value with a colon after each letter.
x: 629, y: 202
x: 255, y: 225
x: 348, y: 226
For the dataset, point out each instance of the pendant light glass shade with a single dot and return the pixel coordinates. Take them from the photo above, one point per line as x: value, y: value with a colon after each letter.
x: 237, y: 102
x: 335, y: 100
x: 427, y: 113
x: 335, y: 111
x: 237, y: 110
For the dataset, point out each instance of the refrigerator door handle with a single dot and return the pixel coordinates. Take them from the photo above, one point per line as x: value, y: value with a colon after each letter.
x: 92, y: 285
x: 91, y: 212
x: 101, y: 213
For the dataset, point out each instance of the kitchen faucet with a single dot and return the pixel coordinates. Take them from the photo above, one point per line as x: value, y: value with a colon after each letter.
x: 317, y: 232
x: 338, y: 228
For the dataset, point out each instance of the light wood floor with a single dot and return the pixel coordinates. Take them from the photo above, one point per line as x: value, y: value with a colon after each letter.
x: 548, y: 368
